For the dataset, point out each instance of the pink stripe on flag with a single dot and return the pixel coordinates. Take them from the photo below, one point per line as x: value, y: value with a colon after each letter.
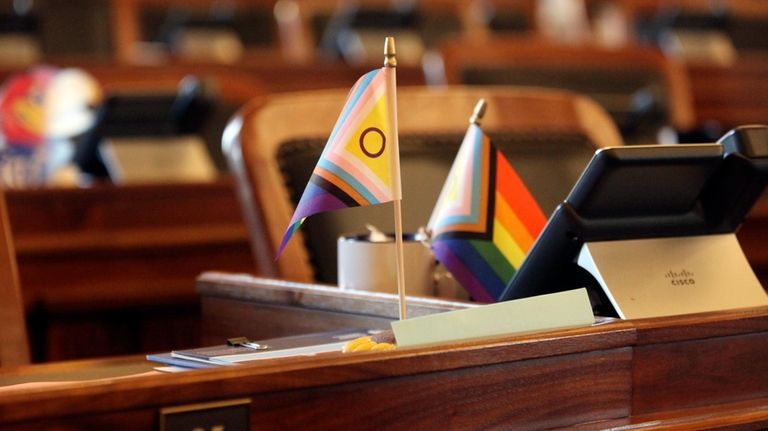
x: 362, y: 107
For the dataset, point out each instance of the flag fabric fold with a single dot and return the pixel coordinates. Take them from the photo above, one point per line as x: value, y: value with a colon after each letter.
x: 485, y: 219
x: 356, y: 165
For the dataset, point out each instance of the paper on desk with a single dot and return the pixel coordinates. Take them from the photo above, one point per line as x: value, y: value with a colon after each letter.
x: 553, y: 311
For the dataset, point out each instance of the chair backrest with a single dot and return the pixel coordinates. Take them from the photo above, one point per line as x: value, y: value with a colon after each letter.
x: 274, y: 143
x: 237, y: 26
x: 14, y: 345
x: 641, y: 88
x: 310, y: 27
x: 743, y: 22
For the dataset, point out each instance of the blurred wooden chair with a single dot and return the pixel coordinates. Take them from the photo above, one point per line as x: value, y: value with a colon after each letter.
x: 354, y: 30
x: 14, y: 345
x: 744, y: 23
x: 641, y: 89
x: 148, y: 31
x: 273, y: 144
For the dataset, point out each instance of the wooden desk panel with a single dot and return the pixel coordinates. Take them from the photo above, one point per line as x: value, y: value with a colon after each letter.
x: 669, y: 373
x: 111, y: 270
x: 543, y: 381
x: 718, y: 370
x: 505, y: 395
x: 703, y: 359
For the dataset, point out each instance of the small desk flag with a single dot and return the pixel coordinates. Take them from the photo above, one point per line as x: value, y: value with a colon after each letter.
x: 485, y: 219
x: 356, y: 166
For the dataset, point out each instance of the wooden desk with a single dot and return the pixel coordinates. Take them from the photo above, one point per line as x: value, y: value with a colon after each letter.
x: 110, y: 270
x: 693, y: 372
x: 266, y: 308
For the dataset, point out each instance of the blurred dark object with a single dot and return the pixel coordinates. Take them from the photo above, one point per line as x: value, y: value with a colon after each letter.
x: 253, y: 26
x: 141, y: 115
x: 19, y: 35
x: 14, y: 22
x: 343, y: 34
x: 75, y: 27
x: 747, y: 32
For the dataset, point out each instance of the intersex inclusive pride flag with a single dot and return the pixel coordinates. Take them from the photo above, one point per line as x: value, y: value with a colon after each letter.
x: 485, y: 219
x: 358, y: 162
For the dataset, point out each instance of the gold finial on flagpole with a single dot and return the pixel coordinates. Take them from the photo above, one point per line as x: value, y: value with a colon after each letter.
x: 479, y: 112
x: 389, y: 52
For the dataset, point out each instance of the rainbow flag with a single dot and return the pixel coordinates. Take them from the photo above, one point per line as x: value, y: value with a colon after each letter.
x: 485, y: 219
x: 358, y: 166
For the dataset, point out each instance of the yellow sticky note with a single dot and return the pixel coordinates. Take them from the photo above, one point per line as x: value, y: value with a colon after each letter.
x: 539, y: 313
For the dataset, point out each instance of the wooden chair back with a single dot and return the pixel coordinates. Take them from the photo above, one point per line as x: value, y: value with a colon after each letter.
x: 130, y: 20
x: 281, y: 135
x: 14, y: 345
x: 622, y: 80
x: 304, y: 25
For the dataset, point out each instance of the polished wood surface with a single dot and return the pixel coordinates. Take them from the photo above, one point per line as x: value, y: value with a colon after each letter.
x: 715, y: 369
x: 110, y: 270
x: 684, y: 372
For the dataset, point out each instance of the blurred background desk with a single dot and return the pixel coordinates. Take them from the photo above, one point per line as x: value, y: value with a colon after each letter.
x: 110, y: 270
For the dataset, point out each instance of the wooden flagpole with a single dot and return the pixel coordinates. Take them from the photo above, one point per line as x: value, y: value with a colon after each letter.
x: 390, y: 62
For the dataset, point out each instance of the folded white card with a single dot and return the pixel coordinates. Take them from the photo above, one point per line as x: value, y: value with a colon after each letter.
x: 538, y: 313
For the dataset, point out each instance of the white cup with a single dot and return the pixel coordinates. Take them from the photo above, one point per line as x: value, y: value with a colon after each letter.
x: 370, y: 265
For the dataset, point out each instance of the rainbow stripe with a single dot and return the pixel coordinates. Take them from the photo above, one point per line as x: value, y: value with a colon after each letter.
x: 485, y: 219
x: 355, y: 168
